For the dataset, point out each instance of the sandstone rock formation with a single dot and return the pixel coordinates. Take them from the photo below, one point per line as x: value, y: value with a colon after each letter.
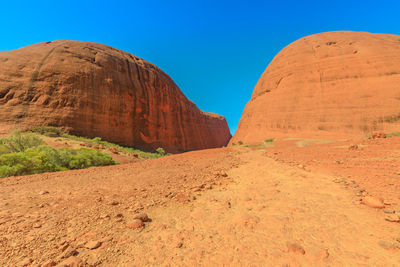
x: 347, y: 82
x: 96, y: 90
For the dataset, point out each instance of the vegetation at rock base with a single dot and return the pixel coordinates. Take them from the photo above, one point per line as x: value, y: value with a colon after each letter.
x: 24, y: 153
x: 51, y: 131
x: 393, y: 134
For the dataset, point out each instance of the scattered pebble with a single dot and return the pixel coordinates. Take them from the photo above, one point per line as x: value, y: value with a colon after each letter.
x: 104, y: 216
x: 43, y: 192
x: 69, y: 252
x: 294, y: 247
x: 388, y: 211
x: 72, y: 261
x: 114, y: 203
x: 93, y: 244
x: 373, y: 202
x: 135, y: 224
x: 353, y: 147
x: 49, y: 263
x: 64, y: 247
x: 388, y: 245
x: 106, y: 239
x: 392, y: 218
x: 25, y: 262
x: 141, y: 216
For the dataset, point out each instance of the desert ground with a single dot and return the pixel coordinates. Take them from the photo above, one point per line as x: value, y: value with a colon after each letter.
x: 297, y: 201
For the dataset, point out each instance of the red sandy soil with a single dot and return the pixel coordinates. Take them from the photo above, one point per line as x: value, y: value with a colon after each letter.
x: 296, y: 203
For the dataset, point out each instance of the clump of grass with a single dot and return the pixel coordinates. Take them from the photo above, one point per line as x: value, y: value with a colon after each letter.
x: 240, y: 143
x: 49, y: 131
x: 265, y: 143
x: 393, y: 134
x: 96, y: 141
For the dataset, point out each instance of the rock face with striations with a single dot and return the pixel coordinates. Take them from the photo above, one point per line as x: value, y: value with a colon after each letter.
x: 95, y: 90
x: 347, y: 82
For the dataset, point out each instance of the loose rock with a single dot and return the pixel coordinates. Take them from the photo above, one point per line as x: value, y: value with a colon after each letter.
x: 388, y: 211
x: 49, y: 263
x: 92, y: 244
x: 141, y: 216
x: 25, y: 262
x: 392, y: 218
x: 135, y: 224
x: 294, y: 247
x: 373, y: 202
x: 388, y: 245
x: 71, y: 262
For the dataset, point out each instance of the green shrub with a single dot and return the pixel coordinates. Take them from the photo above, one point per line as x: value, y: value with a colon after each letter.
x: 84, y: 158
x: 4, y: 149
x: 161, y: 151
x: 51, y: 134
x: 240, y: 143
x: 269, y: 140
x: 48, y: 159
x: 48, y: 130
x: 388, y: 135
x: 97, y: 140
x: 28, y: 162
x: 19, y: 142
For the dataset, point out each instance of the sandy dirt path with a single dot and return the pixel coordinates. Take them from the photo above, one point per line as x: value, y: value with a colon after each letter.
x: 228, y: 207
x: 271, y: 215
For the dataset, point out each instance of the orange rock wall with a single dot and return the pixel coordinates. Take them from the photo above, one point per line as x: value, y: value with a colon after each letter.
x: 95, y: 90
x: 347, y: 82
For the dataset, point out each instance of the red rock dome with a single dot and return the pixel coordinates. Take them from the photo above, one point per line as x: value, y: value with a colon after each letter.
x: 96, y: 90
x: 347, y: 82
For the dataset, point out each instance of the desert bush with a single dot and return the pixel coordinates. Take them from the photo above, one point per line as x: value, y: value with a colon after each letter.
x: 240, y: 143
x: 388, y: 135
x: 51, y: 134
x: 269, y: 140
x: 48, y: 159
x: 84, y: 158
x: 28, y: 162
x: 50, y: 131
x: 97, y: 140
x: 123, y: 149
x: 161, y: 151
x: 19, y: 142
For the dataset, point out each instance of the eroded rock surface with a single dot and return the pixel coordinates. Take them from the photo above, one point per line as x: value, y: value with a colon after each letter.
x: 96, y: 90
x: 346, y: 82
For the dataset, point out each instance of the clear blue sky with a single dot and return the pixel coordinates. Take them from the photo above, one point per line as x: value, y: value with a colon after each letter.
x: 214, y: 50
